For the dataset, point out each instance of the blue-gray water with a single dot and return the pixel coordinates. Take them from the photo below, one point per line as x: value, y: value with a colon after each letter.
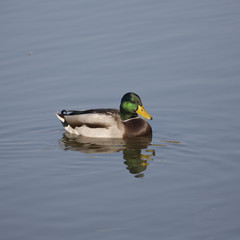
x: 182, y: 58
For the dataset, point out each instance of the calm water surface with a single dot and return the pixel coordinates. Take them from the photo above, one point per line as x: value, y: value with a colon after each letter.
x: 182, y: 58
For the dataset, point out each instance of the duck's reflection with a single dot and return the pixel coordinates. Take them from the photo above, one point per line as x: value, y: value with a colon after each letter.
x: 135, y: 151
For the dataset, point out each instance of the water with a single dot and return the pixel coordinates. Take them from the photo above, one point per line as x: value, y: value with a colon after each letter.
x: 182, y: 58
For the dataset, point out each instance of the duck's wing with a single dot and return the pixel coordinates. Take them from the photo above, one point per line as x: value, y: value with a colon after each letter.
x: 94, y: 118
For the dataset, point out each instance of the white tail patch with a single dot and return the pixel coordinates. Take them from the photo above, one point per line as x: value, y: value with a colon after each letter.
x: 60, y: 118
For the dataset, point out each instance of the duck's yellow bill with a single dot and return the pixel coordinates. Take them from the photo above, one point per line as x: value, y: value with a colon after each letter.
x: 141, y: 111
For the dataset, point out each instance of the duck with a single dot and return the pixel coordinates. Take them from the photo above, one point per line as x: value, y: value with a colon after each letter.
x: 108, y: 122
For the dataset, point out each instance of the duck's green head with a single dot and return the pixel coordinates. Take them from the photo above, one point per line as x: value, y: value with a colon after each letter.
x: 131, y: 105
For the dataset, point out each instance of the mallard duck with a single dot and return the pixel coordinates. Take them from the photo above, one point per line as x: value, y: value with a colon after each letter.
x: 109, y: 123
